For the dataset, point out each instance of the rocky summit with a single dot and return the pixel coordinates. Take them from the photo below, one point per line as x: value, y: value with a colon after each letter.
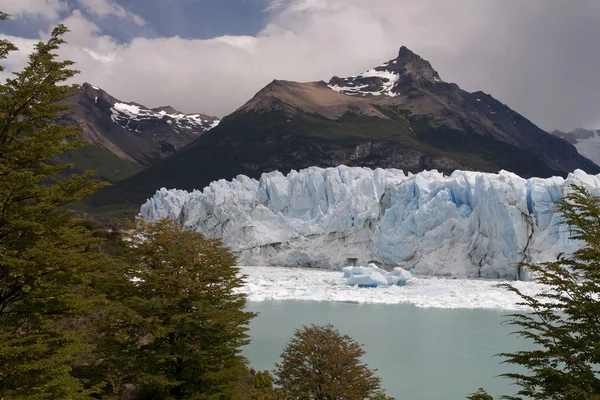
x: 390, y: 79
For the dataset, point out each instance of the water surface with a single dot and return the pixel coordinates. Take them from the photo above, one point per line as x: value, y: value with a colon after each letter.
x: 420, y: 353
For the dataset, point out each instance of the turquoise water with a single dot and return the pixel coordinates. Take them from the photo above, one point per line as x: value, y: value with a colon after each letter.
x: 420, y: 353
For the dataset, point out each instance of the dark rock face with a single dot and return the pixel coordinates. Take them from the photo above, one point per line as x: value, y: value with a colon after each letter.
x: 132, y: 131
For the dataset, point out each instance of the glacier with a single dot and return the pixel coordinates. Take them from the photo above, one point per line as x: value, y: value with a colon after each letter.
x: 463, y: 225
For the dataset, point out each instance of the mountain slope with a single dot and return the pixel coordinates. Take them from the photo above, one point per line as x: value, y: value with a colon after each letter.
x: 124, y: 138
x: 398, y: 115
x: 586, y: 141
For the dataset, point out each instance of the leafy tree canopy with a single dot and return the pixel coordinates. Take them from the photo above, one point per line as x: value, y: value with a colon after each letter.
x: 319, y: 363
x: 45, y: 253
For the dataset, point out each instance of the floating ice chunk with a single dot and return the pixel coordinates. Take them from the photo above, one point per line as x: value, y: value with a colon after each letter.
x: 373, y: 276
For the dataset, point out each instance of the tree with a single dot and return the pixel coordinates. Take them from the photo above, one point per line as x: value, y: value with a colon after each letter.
x: 319, y: 363
x: 480, y: 395
x: 565, y: 322
x: 45, y: 253
x: 182, y: 324
x: 258, y: 385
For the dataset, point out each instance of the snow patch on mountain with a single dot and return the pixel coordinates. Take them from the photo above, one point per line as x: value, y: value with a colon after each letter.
x: 354, y: 85
x: 129, y: 116
x: 468, y: 224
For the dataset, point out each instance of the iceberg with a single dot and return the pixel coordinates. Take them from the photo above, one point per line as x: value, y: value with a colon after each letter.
x: 463, y: 225
x: 372, y: 276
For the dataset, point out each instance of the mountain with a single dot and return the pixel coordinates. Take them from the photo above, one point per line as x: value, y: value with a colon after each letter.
x: 400, y: 114
x: 125, y: 137
x: 586, y: 141
x: 468, y: 224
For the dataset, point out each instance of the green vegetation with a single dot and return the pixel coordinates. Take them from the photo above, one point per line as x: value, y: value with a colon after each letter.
x: 480, y: 395
x: 319, y: 363
x: 179, y: 328
x: 45, y: 256
x: 107, y: 166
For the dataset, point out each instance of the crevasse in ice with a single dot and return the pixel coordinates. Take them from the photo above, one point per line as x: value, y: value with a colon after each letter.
x: 467, y: 224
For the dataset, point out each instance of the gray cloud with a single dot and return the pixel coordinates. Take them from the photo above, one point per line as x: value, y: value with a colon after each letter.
x: 540, y: 57
x: 49, y: 9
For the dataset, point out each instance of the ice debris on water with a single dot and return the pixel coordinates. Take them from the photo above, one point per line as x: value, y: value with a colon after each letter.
x: 372, y: 276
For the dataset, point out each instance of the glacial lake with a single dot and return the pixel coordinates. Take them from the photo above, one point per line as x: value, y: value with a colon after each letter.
x: 420, y: 353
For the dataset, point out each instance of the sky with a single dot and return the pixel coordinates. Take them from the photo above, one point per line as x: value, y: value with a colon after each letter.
x: 540, y: 57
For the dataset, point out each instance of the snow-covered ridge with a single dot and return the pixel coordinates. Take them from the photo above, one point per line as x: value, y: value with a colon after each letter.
x: 130, y: 115
x: 468, y: 224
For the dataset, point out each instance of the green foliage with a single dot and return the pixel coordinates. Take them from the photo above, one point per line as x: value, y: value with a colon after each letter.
x: 108, y: 167
x: 319, y: 363
x: 564, y: 324
x: 178, y: 326
x: 480, y: 395
x: 45, y: 254
x: 258, y: 385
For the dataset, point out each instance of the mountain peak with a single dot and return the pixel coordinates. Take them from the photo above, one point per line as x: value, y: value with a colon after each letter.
x: 405, y: 52
x: 390, y: 78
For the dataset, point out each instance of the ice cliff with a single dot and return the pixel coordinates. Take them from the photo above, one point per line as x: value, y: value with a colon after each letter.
x: 468, y: 224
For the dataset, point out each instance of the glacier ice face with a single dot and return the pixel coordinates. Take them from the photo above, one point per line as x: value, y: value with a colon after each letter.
x: 468, y: 224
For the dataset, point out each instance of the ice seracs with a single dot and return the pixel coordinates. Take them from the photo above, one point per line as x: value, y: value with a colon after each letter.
x: 467, y: 224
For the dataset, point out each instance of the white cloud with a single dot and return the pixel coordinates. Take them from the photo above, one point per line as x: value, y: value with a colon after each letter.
x: 109, y: 7
x: 531, y: 55
x: 49, y: 9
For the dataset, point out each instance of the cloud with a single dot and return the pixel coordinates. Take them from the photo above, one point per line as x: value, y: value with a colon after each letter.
x: 538, y: 56
x: 49, y: 9
x: 107, y: 7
